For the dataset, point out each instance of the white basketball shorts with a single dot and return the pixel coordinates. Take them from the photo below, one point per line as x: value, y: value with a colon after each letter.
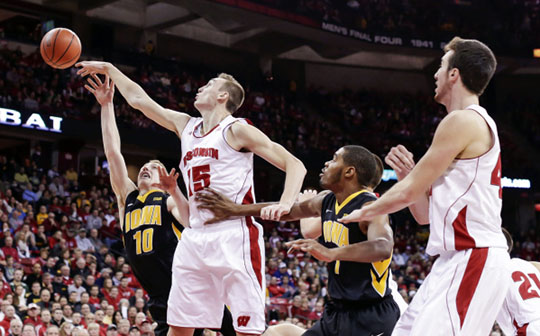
x: 217, y: 265
x: 462, y: 295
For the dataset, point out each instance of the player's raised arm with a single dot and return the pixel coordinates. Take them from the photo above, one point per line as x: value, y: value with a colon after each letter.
x: 455, y: 132
x: 402, y: 161
x: 242, y: 136
x: 136, y: 97
x: 177, y: 204
x: 223, y: 208
x: 104, y: 93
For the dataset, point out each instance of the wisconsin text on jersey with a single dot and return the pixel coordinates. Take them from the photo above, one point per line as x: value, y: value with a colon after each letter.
x: 203, y: 152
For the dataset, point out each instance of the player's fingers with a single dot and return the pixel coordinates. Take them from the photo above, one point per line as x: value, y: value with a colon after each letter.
x: 98, y: 80
x: 107, y: 82
x: 92, y: 83
x: 86, y: 86
x: 405, y: 159
x: 394, y: 164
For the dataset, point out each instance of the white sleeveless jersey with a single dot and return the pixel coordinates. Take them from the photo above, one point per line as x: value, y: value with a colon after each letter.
x: 209, y: 161
x: 465, y: 202
x: 522, y: 303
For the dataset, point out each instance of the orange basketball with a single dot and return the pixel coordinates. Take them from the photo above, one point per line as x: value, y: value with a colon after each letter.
x: 60, y: 48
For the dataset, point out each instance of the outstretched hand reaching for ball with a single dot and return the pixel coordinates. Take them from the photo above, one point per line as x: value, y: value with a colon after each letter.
x: 92, y: 68
x: 103, y: 91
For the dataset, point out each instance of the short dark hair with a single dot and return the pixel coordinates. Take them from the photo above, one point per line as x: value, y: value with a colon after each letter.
x: 509, y: 240
x: 474, y: 60
x: 376, y: 179
x: 363, y: 161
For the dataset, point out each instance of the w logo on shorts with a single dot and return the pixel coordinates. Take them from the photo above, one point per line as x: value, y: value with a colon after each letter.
x: 243, y: 320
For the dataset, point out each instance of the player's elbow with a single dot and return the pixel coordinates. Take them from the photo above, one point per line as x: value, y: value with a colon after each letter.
x: 309, y: 233
x: 383, y: 249
x: 298, y: 166
x: 136, y: 101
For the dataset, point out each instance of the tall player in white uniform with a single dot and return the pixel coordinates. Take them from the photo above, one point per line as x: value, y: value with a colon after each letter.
x: 455, y: 188
x: 520, y: 313
x: 222, y: 263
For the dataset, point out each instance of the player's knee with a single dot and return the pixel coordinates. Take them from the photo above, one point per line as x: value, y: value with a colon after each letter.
x: 180, y: 331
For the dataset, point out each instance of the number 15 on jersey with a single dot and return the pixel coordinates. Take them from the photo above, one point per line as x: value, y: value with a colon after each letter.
x: 199, y: 178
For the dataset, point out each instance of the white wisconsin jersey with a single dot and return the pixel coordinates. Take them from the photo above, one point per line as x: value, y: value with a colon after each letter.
x: 522, y: 303
x: 209, y: 161
x: 465, y: 202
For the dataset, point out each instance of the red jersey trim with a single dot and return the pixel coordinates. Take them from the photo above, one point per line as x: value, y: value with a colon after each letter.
x: 469, y: 282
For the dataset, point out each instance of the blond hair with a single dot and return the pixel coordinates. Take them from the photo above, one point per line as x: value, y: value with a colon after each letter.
x: 235, y: 90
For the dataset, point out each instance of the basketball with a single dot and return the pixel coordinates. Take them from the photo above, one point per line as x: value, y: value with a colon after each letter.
x: 60, y: 48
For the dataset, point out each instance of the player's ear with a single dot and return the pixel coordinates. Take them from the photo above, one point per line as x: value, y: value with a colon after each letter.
x: 349, y: 171
x: 222, y: 97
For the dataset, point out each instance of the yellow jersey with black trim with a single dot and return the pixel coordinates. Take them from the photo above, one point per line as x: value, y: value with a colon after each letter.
x: 348, y: 280
x: 150, y: 233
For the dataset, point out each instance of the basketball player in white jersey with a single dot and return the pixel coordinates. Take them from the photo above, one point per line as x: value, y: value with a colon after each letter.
x: 455, y: 188
x: 222, y: 263
x: 520, y: 313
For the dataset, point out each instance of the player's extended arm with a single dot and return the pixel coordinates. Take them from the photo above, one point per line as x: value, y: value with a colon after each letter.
x: 377, y: 247
x: 224, y: 208
x: 242, y: 136
x: 136, y: 97
x: 104, y: 93
x: 311, y: 227
x: 177, y: 204
x: 402, y: 161
x: 453, y: 135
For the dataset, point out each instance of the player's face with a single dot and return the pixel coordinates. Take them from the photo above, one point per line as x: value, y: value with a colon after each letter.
x: 441, y: 78
x: 148, y: 175
x: 207, y: 96
x: 331, y: 172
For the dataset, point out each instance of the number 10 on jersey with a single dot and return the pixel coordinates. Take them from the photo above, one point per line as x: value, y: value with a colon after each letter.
x: 199, y: 178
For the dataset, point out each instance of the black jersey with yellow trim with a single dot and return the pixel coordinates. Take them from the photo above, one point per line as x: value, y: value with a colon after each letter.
x: 350, y: 280
x: 150, y: 234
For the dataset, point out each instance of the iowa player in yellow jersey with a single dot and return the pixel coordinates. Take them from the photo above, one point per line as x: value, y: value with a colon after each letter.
x: 358, y: 254
x: 150, y: 214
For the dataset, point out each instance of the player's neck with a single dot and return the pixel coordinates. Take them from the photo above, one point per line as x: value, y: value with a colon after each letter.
x: 460, y: 99
x: 347, y: 190
x: 212, y: 118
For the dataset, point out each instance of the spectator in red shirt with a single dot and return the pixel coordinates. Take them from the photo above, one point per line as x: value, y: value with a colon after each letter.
x: 9, y: 315
x: 317, y: 312
x: 114, y: 297
x: 274, y: 289
x: 94, y: 297
x: 124, y: 290
x: 66, y: 279
x: 15, y: 329
x: 45, y: 322
x: 8, y: 249
x: 33, y: 315
x: 4, y: 288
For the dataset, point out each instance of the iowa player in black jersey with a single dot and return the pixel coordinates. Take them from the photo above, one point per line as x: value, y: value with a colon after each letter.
x: 151, y: 214
x: 358, y: 254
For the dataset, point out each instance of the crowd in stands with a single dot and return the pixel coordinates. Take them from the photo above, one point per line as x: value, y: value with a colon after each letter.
x: 488, y: 21
x: 62, y: 264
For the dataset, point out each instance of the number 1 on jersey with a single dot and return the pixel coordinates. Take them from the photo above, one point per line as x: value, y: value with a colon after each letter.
x: 199, y: 178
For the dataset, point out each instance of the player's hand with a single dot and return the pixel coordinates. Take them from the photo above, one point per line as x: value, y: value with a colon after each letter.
x: 313, y: 247
x: 307, y: 195
x: 359, y: 215
x: 219, y: 205
x: 275, y: 211
x: 167, y: 181
x: 401, y: 160
x: 92, y: 67
x: 103, y: 91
